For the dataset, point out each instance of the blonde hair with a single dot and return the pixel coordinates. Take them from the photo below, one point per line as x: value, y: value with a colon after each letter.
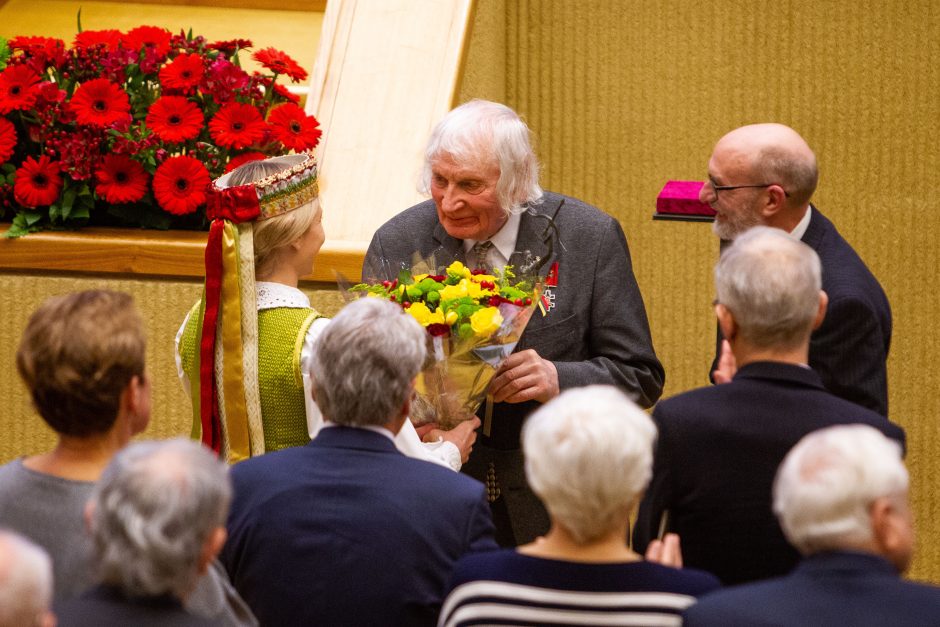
x: 77, y: 355
x: 273, y: 235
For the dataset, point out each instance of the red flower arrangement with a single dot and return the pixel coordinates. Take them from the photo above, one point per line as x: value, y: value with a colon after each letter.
x: 130, y: 128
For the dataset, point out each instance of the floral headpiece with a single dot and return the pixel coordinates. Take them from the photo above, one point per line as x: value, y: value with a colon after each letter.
x: 229, y: 401
x: 268, y: 197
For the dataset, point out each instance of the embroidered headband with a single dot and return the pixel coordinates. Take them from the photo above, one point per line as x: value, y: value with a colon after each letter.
x: 268, y: 197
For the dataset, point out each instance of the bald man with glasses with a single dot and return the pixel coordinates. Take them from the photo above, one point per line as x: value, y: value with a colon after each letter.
x: 765, y: 175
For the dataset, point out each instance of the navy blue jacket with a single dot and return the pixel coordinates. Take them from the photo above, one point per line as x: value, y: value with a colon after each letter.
x: 856, y: 589
x: 348, y: 531
x: 716, y: 459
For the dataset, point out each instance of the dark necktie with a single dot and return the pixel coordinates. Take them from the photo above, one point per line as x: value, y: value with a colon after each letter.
x: 479, y: 254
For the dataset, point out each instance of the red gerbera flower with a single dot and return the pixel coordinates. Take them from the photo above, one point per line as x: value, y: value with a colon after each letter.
x: 109, y: 38
x: 183, y: 73
x: 37, y: 182
x: 41, y: 52
x: 7, y: 139
x: 293, y: 128
x: 100, y: 103
x: 279, y: 63
x: 229, y: 47
x: 121, y: 179
x: 237, y: 126
x: 141, y: 36
x: 286, y: 94
x: 174, y: 119
x: 16, y: 88
x: 180, y: 184
x: 244, y: 158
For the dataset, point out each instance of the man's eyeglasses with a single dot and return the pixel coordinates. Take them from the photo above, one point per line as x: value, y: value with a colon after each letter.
x: 720, y: 188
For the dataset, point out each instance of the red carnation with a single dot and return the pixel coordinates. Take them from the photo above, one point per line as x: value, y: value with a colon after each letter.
x: 158, y: 38
x: 121, y: 179
x: 183, y: 73
x: 16, y: 88
x: 100, y: 103
x: 229, y: 47
x: 280, y: 63
x: 180, y: 184
x: 7, y: 139
x: 108, y: 38
x: 41, y: 52
x: 293, y: 128
x: 244, y: 158
x: 237, y: 126
x: 37, y: 182
x: 174, y: 119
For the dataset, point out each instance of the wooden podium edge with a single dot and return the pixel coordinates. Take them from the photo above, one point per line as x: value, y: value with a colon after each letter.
x: 153, y: 253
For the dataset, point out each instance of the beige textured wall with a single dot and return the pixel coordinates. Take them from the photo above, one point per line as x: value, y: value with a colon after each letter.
x: 162, y: 304
x: 624, y: 95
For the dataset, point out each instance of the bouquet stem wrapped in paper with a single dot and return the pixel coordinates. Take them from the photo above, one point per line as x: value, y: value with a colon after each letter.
x: 474, y: 321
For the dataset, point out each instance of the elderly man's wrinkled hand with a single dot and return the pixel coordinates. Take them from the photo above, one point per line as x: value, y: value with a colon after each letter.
x: 463, y: 436
x: 525, y: 376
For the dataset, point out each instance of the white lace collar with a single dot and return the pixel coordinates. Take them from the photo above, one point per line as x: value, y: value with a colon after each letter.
x: 271, y: 295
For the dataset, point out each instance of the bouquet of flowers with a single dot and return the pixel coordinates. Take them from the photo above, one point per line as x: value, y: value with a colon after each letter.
x: 473, y: 320
x: 130, y: 128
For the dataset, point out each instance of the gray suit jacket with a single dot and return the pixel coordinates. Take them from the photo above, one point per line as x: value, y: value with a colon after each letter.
x: 596, y: 330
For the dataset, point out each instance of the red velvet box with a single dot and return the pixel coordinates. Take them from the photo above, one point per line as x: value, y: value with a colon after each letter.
x: 681, y: 198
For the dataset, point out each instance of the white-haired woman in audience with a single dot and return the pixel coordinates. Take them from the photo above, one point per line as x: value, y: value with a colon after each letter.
x: 588, y: 457
x: 243, y: 351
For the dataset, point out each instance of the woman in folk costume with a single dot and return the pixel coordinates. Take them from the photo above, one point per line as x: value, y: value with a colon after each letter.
x: 243, y: 350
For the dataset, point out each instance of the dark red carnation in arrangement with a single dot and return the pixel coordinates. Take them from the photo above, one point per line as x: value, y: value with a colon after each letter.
x: 174, y: 119
x: 41, y: 52
x: 229, y: 47
x: 121, y: 179
x: 158, y: 38
x: 16, y: 88
x: 182, y: 73
x: 100, y: 103
x: 244, y: 158
x: 7, y: 139
x: 38, y: 183
x: 224, y: 79
x: 294, y: 128
x: 280, y: 63
x: 110, y: 39
x: 237, y: 126
x: 180, y: 184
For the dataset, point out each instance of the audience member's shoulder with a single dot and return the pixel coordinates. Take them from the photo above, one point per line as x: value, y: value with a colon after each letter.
x: 689, y: 581
x: 485, y: 565
x: 573, y: 212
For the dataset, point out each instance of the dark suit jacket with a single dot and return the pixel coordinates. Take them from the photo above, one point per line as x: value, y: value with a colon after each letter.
x: 348, y: 531
x: 103, y: 606
x: 826, y: 589
x: 595, y: 332
x: 850, y: 349
x: 716, y: 459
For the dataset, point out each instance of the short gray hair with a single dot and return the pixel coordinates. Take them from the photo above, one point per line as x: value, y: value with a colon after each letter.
x: 588, y: 457
x: 796, y: 173
x: 25, y: 581
x: 153, y: 510
x: 828, y: 481
x: 770, y: 283
x: 364, y: 362
x: 484, y: 133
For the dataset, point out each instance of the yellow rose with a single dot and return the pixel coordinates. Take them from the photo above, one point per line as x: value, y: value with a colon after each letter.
x: 486, y: 321
x: 437, y: 317
x: 421, y: 313
x: 458, y: 269
x: 451, y: 318
x: 454, y: 291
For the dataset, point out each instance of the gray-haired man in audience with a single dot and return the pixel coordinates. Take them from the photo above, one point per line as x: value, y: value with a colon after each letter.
x: 841, y: 497
x: 25, y: 583
x: 157, y: 520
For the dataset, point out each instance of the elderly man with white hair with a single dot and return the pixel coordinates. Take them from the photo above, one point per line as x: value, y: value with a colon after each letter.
x: 841, y: 496
x: 487, y: 209
x: 25, y: 583
x: 589, y: 456
x: 156, y: 519
x: 719, y: 446
x: 347, y: 530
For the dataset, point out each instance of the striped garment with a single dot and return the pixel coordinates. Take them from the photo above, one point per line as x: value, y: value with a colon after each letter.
x: 508, y: 588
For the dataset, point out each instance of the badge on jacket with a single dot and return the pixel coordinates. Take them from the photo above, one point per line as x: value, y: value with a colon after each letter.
x: 547, y: 301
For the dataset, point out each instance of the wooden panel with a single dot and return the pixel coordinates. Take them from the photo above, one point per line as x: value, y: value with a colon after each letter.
x: 386, y: 72
x: 158, y: 253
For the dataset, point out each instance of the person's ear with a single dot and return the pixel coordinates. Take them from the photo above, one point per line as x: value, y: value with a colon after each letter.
x: 892, y: 532
x: 726, y: 322
x: 775, y: 199
x: 211, y: 548
x: 821, y: 313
